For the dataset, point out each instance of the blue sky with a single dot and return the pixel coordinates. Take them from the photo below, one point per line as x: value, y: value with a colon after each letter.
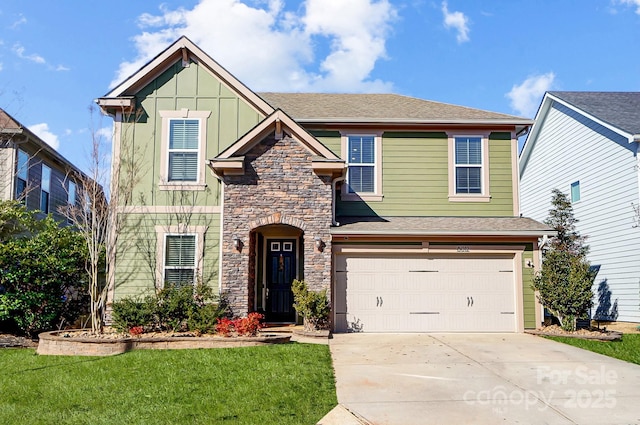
x: 499, y: 55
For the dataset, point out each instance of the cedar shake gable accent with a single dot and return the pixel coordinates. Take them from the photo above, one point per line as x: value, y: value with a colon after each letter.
x: 185, y: 50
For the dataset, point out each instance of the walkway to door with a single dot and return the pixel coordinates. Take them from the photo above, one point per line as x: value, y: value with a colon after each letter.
x: 482, y: 379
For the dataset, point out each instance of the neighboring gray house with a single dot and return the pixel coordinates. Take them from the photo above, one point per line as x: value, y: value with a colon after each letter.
x: 33, y: 172
x: 586, y: 145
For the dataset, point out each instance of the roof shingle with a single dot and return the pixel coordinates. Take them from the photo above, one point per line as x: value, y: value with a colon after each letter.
x: 481, y: 226
x: 620, y: 109
x: 377, y: 107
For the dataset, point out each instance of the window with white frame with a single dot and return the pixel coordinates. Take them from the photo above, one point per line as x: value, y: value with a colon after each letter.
x: 184, y: 152
x: 575, y: 191
x: 45, y: 189
x: 184, y: 141
x: 361, y: 162
x: 22, y: 174
x: 468, y: 165
x: 180, y: 259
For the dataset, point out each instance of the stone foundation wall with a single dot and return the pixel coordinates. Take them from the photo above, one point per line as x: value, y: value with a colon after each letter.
x: 279, y: 187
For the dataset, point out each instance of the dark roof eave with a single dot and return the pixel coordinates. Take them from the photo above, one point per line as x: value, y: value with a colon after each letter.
x: 412, y: 121
x: 516, y: 233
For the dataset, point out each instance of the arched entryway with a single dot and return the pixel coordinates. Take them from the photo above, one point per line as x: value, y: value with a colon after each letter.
x: 276, y: 261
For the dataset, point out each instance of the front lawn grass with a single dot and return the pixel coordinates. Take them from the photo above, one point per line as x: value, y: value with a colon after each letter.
x: 627, y: 349
x: 276, y: 384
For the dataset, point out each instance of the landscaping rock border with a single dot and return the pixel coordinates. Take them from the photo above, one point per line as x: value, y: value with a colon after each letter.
x: 603, y: 336
x: 56, y: 344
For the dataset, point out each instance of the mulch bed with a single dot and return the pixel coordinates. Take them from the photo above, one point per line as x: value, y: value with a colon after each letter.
x: 12, y: 341
x: 591, y: 333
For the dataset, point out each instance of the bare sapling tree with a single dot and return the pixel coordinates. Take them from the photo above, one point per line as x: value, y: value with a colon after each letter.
x: 102, y: 193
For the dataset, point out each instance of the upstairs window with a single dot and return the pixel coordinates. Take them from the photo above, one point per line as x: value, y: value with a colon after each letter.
x: 71, y: 195
x: 45, y: 188
x: 184, y: 141
x: 184, y: 145
x: 468, y: 165
x: 22, y: 175
x: 575, y: 191
x: 361, y: 160
x: 180, y: 259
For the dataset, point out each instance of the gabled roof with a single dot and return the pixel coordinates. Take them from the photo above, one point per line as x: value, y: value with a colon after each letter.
x: 617, y: 111
x: 10, y: 127
x: 231, y: 160
x: 620, y: 109
x: 184, y: 49
x: 349, y: 108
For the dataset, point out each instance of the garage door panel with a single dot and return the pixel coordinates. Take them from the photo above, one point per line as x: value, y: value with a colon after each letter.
x: 422, y: 294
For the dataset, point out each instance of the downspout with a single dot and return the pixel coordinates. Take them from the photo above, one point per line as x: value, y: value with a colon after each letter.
x: 334, y: 200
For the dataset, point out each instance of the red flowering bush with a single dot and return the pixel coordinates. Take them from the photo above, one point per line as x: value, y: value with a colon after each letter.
x: 136, y: 330
x: 242, y: 326
x: 224, y: 326
x: 248, y: 326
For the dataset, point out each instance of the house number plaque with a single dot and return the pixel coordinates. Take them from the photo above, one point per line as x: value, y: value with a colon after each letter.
x: 463, y: 248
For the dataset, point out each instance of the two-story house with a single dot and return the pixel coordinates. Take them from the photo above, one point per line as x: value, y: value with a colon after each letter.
x: 33, y: 172
x: 405, y: 210
x: 586, y: 145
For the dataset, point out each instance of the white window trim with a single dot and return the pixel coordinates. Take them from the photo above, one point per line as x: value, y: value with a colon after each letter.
x: 485, y: 196
x: 199, y: 184
x: 180, y: 230
x: 377, y: 194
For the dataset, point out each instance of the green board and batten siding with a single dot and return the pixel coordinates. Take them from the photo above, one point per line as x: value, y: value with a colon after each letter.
x: 194, y: 88
x: 424, y: 190
x: 138, y: 249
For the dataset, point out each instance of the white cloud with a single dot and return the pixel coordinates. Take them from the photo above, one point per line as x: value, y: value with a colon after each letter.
x: 457, y: 21
x: 526, y: 97
x: 42, y: 131
x: 61, y: 68
x: 19, y: 50
x: 105, y: 134
x: 22, y: 20
x: 633, y: 3
x: 271, y: 48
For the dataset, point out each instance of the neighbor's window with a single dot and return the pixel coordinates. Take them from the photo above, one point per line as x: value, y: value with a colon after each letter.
x: 22, y: 175
x: 361, y: 160
x: 184, y: 141
x: 468, y: 165
x: 575, y: 191
x: 180, y: 259
x: 45, y: 188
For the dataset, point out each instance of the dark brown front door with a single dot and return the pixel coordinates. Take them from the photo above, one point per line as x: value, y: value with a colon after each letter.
x: 281, y: 271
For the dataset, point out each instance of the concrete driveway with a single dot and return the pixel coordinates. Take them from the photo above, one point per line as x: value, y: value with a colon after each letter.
x: 481, y: 379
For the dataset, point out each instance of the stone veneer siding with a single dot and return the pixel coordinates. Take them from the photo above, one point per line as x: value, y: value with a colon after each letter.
x: 279, y: 187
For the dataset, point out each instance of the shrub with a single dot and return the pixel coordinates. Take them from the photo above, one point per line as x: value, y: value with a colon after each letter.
x: 242, y: 326
x: 313, y: 306
x: 564, y: 283
x: 42, y: 272
x: 129, y: 313
x: 174, y: 308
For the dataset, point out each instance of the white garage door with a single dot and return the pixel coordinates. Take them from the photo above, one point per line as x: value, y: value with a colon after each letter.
x: 418, y: 293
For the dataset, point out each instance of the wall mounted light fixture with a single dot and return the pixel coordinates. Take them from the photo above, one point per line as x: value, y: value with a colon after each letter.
x: 319, y: 243
x: 237, y: 243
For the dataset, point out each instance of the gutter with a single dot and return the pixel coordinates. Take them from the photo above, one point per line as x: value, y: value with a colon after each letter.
x: 346, y: 232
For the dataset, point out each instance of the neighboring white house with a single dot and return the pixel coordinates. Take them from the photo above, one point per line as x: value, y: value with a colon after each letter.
x: 586, y: 145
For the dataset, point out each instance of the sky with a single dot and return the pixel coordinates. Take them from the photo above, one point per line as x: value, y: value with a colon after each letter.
x: 56, y: 58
